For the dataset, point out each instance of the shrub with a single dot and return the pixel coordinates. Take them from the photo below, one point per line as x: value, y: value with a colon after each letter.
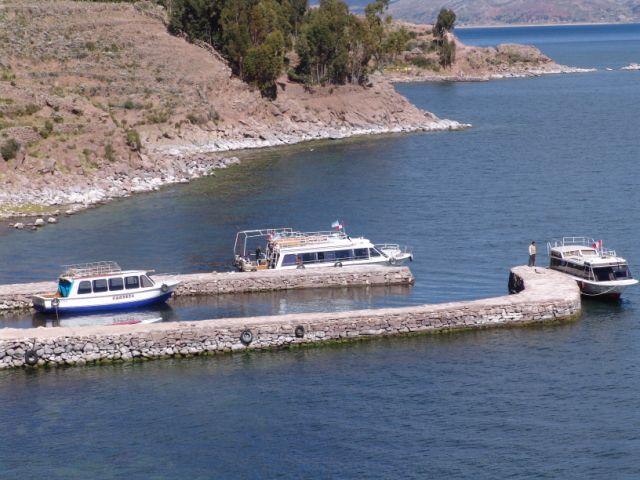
x: 7, y: 75
x: 196, y: 119
x: 109, y: 152
x: 47, y: 129
x: 31, y: 108
x: 9, y: 149
x: 158, y: 115
x: 426, y: 63
x: 131, y: 105
x: 133, y: 140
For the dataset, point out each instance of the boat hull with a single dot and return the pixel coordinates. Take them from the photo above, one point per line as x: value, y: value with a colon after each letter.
x: 611, y: 290
x: 101, y: 304
x: 605, y: 290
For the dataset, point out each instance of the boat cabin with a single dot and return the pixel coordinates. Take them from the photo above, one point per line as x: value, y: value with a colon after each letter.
x: 284, y: 248
x: 100, y: 277
x: 586, y: 259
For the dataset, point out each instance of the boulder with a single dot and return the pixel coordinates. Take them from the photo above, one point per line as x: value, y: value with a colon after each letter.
x: 39, y: 222
x: 52, y: 220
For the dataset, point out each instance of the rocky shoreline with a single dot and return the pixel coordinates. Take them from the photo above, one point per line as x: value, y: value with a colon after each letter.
x: 176, y: 163
x: 419, y: 75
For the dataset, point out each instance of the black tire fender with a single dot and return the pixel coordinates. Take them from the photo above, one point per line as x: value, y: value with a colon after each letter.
x: 164, y: 288
x: 31, y: 357
x: 55, y: 302
x: 246, y: 337
x: 337, y: 264
x: 299, y: 331
x: 392, y: 260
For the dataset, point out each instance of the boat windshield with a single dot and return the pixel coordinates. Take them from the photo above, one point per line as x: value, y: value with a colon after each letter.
x: 615, y: 272
x: 64, y: 287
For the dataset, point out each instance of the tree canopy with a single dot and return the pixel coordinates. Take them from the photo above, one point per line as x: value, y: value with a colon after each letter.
x: 332, y: 44
x: 445, y: 22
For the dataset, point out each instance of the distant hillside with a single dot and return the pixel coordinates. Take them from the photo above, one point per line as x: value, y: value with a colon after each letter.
x: 500, y: 12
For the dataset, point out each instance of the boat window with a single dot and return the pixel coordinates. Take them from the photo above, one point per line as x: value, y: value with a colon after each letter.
x: 146, y: 281
x: 555, y: 262
x: 621, y: 271
x: 374, y: 253
x: 100, y: 285
x: 556, y: 254
x: 588, y: 253
x: 344, y: 254
x: 327, y: 256
x: 309, y: 257
x: 361, y: 253
x: 116, y: 284
x: 131, y: 282
x: 288, y: 260
x: 84, y: 287
x: 604, y: 274
x: 64, y: 287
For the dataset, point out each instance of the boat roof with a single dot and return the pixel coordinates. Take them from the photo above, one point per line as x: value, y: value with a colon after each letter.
x: 296, y: 241
x: 96, y: 270
x: 581, y: 250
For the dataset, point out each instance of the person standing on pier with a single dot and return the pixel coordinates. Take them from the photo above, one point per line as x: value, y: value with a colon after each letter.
x: 532, y: 254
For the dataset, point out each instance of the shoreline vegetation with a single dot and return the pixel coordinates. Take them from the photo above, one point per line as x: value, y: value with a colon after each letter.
x: 91, y: 107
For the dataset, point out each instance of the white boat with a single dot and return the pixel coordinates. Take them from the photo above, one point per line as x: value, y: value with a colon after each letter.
x: 599, y: 272
x: 102, y: 286
x: 285, y: 248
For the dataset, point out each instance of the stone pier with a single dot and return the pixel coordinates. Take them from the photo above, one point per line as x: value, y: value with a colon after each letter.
x: 544, y: 296
x: 18, y: 296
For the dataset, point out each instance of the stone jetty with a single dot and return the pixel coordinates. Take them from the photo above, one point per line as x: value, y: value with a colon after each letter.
x: 18, y: 296
x: 544, y: 296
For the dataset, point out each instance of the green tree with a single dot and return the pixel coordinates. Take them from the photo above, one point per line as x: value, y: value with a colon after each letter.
x: 264, y: 63
x: 445, y: 23
x: 447, y: 53
x: 198, y: 19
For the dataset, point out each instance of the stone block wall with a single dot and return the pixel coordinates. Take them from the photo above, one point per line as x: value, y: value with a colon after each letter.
x: 547, y: 296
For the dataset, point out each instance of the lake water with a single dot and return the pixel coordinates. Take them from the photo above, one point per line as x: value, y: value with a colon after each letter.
x: 546, y: 157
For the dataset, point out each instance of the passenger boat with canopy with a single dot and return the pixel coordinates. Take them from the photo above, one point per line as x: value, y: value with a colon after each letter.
x: 599, y: 272
x: 285, y: 248
x: 102, y: 286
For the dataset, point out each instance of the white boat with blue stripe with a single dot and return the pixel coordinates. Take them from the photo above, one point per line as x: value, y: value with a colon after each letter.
x: 102, y: 286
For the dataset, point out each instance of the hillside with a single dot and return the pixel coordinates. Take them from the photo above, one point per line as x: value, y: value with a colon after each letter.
x: 97, y: 101
x: 501, y: 12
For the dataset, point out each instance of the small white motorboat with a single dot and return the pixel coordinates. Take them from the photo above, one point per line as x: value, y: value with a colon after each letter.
x: 598, y: 271
x: 285, y: 248
x: 100, y: 286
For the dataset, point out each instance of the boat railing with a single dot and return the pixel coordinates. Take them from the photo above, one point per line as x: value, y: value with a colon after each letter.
x: 392, y: 246
x: 91, y: 269
x: 284, y: 237
x: 291, y: 239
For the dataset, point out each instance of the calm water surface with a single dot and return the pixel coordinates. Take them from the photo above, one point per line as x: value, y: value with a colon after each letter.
x: 546, y: 157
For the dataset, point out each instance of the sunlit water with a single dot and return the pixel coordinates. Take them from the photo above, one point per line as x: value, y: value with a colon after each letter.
x: 546, y: 157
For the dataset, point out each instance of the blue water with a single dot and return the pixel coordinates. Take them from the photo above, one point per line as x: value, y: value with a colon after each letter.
x: 546, y: 157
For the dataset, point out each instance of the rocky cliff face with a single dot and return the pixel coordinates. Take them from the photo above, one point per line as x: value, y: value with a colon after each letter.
x: 97, y: 100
